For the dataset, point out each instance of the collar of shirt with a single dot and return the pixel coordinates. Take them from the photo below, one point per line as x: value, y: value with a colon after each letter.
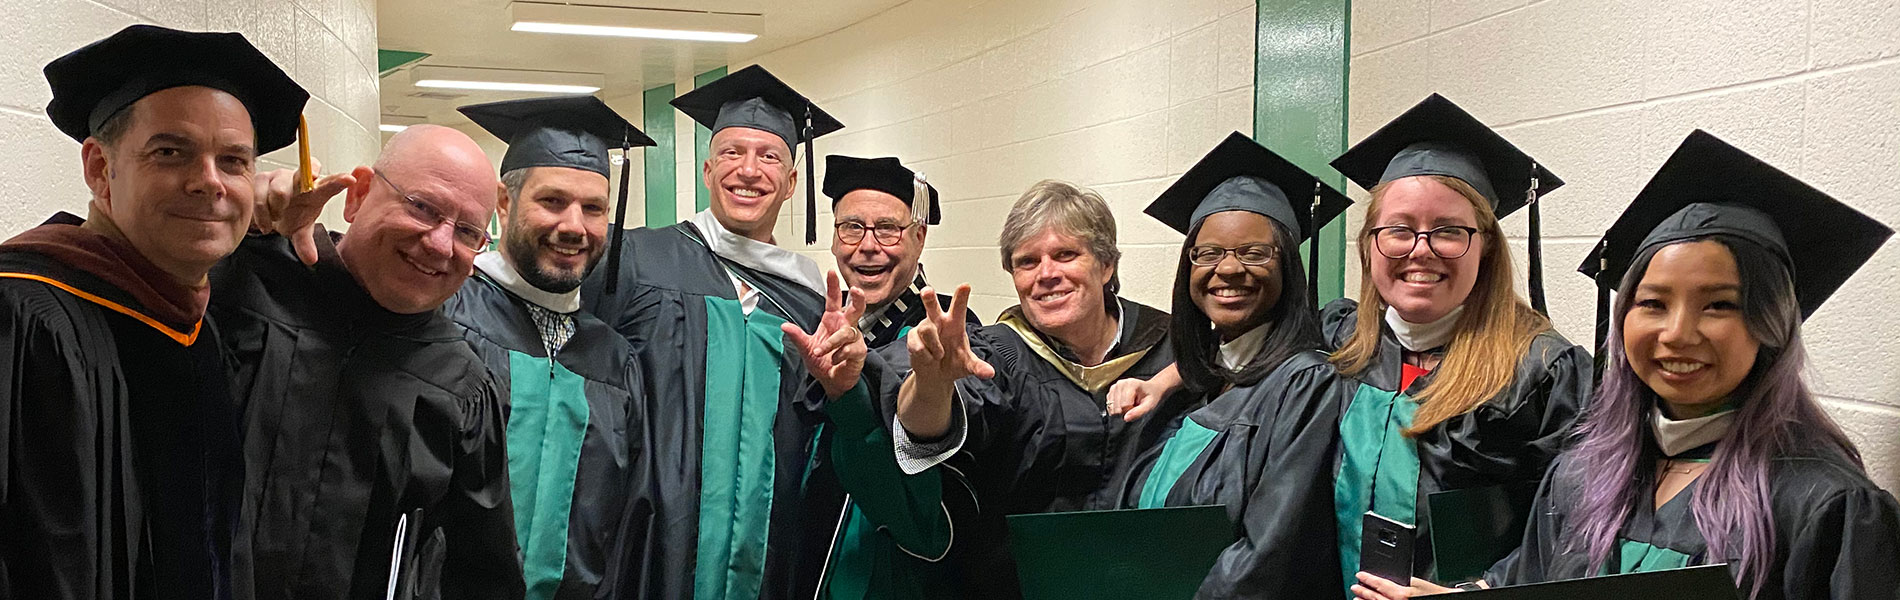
x: 758, y: 255
x: 1676, y: 437
x: 497, y: 267
x: 1419, y: 337
x: 1236, y: 354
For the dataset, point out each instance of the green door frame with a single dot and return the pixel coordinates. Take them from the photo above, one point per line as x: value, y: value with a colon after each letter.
x: 702, y: 137
x: 1301, y: 55
x: 662, y: 199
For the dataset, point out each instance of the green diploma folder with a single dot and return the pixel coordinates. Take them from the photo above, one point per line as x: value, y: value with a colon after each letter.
x: 1708, y: 582
x: 1149, y: 553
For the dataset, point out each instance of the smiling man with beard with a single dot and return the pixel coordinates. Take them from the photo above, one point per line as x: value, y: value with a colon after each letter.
x: 569, y: 381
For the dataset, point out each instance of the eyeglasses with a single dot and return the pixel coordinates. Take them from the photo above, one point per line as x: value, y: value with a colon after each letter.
x: 1398, y: 241
x: 466, y: 235
x: 1253, y: 255
x: 888, y: 234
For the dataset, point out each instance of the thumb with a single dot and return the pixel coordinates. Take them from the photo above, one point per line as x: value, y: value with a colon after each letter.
x: 980, y: 368
x: 305, y: 242
x: 797, y: 336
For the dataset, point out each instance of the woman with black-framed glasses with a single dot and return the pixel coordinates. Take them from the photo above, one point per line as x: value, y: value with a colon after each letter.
x: 1464, y: 393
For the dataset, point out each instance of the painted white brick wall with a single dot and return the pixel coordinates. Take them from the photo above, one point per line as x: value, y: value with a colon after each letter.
x: 1603, y: 90
x: 986, y: 98
x: 328, y: 46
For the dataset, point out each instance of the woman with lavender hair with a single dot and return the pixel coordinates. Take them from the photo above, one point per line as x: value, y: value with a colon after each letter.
x: 1704, y: 444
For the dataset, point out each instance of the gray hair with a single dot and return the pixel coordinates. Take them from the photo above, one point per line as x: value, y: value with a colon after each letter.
x: 514, y: 180
x: 1070, y: 209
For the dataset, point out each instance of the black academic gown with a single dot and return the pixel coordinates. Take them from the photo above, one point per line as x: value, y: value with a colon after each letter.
x: 1265, y: 452
x: 1504, y: 445
x: 1837, y: 535
x: 355, y: 416
x: 730, y: 403
x: 570, y: 457
x: 1039, y: 442
x: 119, y: 470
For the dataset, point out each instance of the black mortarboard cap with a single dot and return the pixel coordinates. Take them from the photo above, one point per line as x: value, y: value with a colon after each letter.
x: 1709, y: 187
x: 97, y: 81
x: 1435, y: 137
x: 557, y: 131
x: 1241, y: 174
x: 753, y: 98
x: 844, y: 174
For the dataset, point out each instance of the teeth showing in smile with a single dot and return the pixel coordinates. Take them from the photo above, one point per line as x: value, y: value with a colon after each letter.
x: 1679, y: 367
x: 871, y: 271
x: 747, y: 193
x: 565, y: 251
x: 1420, y: 277
x: 1228, y: 292
x: 1051, y: 297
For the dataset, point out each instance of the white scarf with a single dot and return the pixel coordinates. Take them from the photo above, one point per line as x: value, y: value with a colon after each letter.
x: 1419, y: 337
x: 496, y: 267
x: 1236, y: 354
x: 758, y: 255
x: 1676, y: 437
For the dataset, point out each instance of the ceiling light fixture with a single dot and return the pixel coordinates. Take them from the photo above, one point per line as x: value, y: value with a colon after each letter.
x: 506, y: 80
x: 397, y: 123
x: 673, y: 21
x: 391, y: 128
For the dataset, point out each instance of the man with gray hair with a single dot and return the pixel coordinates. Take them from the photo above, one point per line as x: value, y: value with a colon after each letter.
x: 1035, y: 383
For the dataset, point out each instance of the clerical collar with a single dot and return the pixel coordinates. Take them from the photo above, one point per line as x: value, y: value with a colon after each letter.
x: 1676, y: 437
x: 1420, y: 337
x: 758, y: 255
x: 497, y: 268
x: 1236, y: 354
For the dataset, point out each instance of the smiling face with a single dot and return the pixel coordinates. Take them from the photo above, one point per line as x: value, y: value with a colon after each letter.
x: 555, y: 231
x: 176, y: 182
x: 1060, y: 284
x: 878, y: 271
x: 1234, y: 296
x: 406, y: 264
x: 1422, y: 286
x: 748, y: 176
x: 1684, y: 334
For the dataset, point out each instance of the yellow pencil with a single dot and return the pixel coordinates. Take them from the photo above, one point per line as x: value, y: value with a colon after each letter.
x: 306, y: 177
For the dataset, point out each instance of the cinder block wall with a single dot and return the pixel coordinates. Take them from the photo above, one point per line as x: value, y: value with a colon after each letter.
x: 1603, y: 90
x: 328, y: 46
x: 986, y: 98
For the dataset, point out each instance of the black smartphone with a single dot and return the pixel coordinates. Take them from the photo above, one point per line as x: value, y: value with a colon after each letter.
x: 1385, y: 548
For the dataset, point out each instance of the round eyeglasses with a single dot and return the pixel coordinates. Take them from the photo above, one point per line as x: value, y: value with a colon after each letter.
x: 466, y: 235
x: 888, y: 234
x: 1398, y: 241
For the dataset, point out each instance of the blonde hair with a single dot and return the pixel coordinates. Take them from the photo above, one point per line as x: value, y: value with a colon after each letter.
x: 1070, y: 209
x: 1491, y: 337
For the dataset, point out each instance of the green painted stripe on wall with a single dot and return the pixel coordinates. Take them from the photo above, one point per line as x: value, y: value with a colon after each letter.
x: 702, y: 137
x: 1300, y: 61
x: 657, y: 116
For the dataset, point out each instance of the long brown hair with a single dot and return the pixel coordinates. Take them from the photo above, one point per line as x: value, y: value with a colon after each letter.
x: 1492, y: 335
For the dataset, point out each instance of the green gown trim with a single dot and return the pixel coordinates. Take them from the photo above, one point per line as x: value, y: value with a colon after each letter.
x: 743, y: 356
x: 1177, y: 455
x: 547, y: 419
x: 895, y: 520
x: 1638, y: 557
x: 1378, y: 469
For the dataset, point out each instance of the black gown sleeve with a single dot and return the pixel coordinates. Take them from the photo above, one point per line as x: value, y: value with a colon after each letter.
x: 48, y: 402
x: 1531, y: 561
x: 479, y: 546
x: 1847, y: 547
x: 1286, y: 548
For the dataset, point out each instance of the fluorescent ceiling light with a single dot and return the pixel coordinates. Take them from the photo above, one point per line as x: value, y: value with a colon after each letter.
x: 391, y: 127
x: 667, y: 23
x: 506, y: 80
x: 397, y: 123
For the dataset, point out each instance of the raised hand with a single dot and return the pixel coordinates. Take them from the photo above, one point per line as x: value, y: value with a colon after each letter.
x: 834, y: 354
x: 282, y: 209
x: 939, y: 356
x: 940, y: 346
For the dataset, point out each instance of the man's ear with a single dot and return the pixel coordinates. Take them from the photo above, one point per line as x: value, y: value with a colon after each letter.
x: 353, y: 202
x: 502, y: 204
x: 95, y: 159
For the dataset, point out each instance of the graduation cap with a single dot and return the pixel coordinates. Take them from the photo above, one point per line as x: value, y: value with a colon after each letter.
x: 564, y: 131
x: 1435, y: 137
x: 1240, y: 174
x: 845, y: 174
x: 94, y: 83
x: 753, y: 98
x: 1709, y: 187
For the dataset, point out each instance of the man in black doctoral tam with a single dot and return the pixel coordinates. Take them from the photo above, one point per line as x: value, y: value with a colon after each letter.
x: 119, y: 469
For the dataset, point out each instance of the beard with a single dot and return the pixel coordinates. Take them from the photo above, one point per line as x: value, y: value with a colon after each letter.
x: 524, y: 249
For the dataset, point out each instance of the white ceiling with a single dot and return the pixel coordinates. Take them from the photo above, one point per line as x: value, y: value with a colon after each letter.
x: 475, y: 33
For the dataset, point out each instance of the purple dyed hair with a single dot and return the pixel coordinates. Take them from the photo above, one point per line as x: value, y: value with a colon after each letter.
x: 1778, y: 416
